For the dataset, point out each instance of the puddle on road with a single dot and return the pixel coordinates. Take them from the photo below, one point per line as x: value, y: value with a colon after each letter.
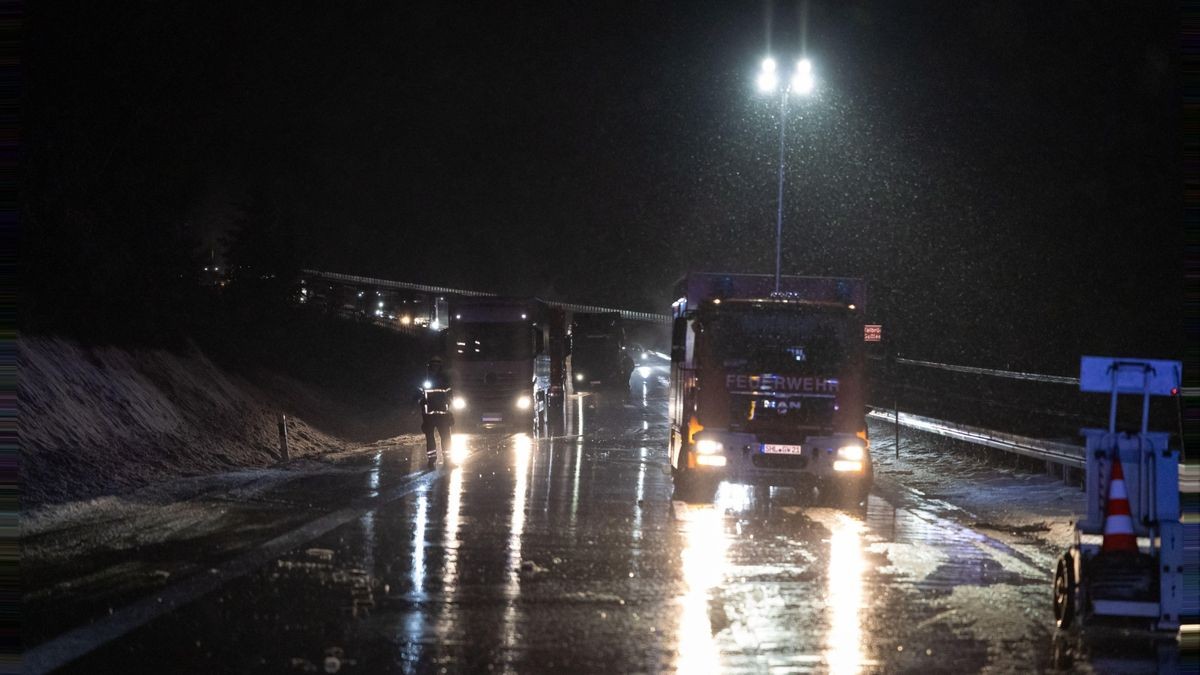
x: 802, y: 587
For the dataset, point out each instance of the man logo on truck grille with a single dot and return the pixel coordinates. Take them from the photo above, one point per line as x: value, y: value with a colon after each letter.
x: 782, y: 407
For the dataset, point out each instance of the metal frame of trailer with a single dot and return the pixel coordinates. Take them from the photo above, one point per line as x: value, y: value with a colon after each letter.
x: 1089, y: 582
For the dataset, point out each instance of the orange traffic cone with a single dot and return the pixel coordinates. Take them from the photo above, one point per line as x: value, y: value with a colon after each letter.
x: 1118, y: 522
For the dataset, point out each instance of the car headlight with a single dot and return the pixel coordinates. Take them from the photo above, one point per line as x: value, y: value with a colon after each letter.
x: 579, y: 377
x: 707, y: 447
x: 853, y: 453
x: 459, y: 403
x: 523, y: 403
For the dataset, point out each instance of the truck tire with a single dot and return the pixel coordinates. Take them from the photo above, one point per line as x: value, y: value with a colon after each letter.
x: 845, y: 496
x: 695, y: 488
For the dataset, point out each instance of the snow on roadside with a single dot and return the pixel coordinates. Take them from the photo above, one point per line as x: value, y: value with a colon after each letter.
x: 104, y: 420
x: 995, y: 495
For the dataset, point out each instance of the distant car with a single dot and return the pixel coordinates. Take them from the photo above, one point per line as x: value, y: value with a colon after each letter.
x: 638, y: 353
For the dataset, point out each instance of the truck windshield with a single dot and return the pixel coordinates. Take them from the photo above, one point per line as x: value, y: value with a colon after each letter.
x: 598, y: 348
x: 491, y: 342
x: 781, y: 340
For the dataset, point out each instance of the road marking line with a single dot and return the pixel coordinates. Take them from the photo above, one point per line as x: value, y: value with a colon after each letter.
x: 77, y: 642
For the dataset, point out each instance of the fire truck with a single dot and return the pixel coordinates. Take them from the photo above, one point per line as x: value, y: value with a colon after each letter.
x: 768, y: 386
x: 505, y: 357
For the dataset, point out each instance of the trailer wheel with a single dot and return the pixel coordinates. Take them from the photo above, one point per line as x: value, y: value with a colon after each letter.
x: 1064, y: 592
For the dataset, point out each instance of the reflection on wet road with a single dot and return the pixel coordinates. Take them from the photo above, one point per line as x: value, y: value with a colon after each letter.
x: 568, y: 554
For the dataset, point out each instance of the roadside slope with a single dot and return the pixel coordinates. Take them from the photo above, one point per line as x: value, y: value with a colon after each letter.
x: 98, y: 420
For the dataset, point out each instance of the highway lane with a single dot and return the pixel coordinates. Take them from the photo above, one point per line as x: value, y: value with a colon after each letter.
x: 568, y: 554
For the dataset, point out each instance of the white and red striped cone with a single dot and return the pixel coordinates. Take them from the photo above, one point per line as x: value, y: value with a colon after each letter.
x: 1118, y: 521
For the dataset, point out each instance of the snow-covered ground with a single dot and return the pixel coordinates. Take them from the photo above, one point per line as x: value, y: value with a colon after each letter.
x: 103, y: 420
x: 981, y: 488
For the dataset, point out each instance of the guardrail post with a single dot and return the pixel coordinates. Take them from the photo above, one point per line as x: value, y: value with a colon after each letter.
x: 1056, y: 470
x: 895, y: 401
x: 284, y: 455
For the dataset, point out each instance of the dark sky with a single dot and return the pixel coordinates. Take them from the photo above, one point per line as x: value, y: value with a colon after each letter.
x: 1005, y: 174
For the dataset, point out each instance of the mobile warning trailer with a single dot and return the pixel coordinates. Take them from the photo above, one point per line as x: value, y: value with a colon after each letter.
x: 1127, y: 559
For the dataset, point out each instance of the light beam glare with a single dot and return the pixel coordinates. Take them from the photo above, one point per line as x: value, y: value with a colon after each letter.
x: 846, y: 567
x: 704, y: 566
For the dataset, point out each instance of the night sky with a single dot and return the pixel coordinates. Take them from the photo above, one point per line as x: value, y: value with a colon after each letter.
x: 1005, y: 174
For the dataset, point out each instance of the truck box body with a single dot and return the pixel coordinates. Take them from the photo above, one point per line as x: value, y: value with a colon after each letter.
x: 598, y: 358
x: 769, y: 388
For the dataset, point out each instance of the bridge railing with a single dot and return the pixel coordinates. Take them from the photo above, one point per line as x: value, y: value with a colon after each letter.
x: 351, y: 279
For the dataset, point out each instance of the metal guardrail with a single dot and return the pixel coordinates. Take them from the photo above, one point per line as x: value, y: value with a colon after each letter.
x: 628, y: 315
x: 645, y: 317
x: 1010, y: 374
x: 1036, y: 448
x: 388, y: 283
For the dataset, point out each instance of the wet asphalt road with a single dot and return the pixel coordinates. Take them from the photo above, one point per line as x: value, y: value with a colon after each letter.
x: 565, y: 554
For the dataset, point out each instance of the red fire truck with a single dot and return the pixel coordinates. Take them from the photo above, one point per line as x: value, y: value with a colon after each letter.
x: 768, y: 387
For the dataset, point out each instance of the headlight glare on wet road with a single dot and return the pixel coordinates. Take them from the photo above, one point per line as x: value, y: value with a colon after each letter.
x: 710, y: 460
x: 707, y: 447
x: 459, y: 449
x: 847, y: 465
x: 523, y: 445
x: 854, y: 453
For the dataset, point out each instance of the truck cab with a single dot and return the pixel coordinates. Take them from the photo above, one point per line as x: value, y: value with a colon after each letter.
x: 506, y: 359
x: 495, y: 358
x: 768, y: 388
x: 598, y: 358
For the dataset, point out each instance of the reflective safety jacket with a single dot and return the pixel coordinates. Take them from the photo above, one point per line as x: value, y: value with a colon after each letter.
x: 435, y: 399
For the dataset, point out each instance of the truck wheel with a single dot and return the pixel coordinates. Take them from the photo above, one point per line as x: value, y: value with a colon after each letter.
x: 695, y: 488
x: 848, y: 496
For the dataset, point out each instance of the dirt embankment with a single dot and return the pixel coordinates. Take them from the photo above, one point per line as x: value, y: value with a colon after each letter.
x: 98, y: 420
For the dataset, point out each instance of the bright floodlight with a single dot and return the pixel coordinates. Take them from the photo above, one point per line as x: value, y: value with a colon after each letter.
x: 768, y: 79
x: 802, y: 79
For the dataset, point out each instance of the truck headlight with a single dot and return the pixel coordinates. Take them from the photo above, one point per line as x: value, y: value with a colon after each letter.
x: 579, y: 377
x: 853, y: 453
x: 459, y: 403
x: 523, y: 403
x: 707, y: 447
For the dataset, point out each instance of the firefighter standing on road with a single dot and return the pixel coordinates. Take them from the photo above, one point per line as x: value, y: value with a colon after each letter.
x: 435, y: 410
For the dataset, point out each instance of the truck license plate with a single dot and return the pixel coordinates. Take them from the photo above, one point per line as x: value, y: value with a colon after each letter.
x: 492, y: 417
x: 771, y: 449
